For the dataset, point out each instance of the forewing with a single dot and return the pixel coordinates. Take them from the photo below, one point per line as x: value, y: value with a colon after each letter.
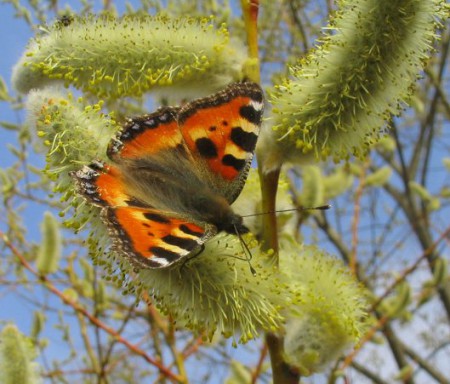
x: 146, y: 135
x: 221, y: 133
x: 101, y: 185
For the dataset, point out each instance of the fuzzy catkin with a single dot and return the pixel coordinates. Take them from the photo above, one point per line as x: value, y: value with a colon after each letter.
x: 340, y: 95
x: 112, y: 58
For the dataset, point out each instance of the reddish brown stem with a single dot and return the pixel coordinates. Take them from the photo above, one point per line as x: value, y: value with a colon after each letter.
x: 94, y: 320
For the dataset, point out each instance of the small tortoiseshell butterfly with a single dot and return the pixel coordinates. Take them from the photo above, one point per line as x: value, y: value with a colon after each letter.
x: 174, y: 173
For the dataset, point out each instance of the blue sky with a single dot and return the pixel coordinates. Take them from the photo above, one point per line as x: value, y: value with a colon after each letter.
x: 14, y: 36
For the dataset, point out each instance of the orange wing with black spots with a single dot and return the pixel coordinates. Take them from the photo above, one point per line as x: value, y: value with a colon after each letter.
x: 147, y: 236
x: 221, y: 132
x: 147, y: 135
x: 152, y: 239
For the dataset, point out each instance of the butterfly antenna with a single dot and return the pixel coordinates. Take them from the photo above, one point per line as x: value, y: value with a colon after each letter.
x: 246, y: 250
x: 319, y: 208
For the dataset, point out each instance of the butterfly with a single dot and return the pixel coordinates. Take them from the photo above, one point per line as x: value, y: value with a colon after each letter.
x: 173, y: 174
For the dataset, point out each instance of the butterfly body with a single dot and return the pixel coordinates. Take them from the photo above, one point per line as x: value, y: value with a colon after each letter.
x: 173, y: 175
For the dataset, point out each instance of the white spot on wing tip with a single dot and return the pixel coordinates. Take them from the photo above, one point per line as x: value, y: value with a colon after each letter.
x: 257, y: 105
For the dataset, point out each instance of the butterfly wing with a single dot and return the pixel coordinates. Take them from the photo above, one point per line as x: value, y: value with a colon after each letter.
x: 147, y: 135
x: 157, y: 168
x: 152, y: 239
x: 221, y: 132
x: 147, y: 236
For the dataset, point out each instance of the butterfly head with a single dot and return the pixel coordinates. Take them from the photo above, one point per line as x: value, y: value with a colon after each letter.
x: 233, y: 224
x: 215, y: 209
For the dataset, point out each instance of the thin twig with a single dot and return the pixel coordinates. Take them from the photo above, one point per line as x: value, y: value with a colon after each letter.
x: 48, y: 284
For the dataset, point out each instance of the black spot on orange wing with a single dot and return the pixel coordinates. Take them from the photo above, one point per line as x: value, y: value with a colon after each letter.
x: 180, y: 242
x: 251, y: 114
x: 157, y: 218
x: 243, y: 139
x: 206, y: 148
x: 188, y: 231
x: 163, y: 253
x: 237, y: 164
